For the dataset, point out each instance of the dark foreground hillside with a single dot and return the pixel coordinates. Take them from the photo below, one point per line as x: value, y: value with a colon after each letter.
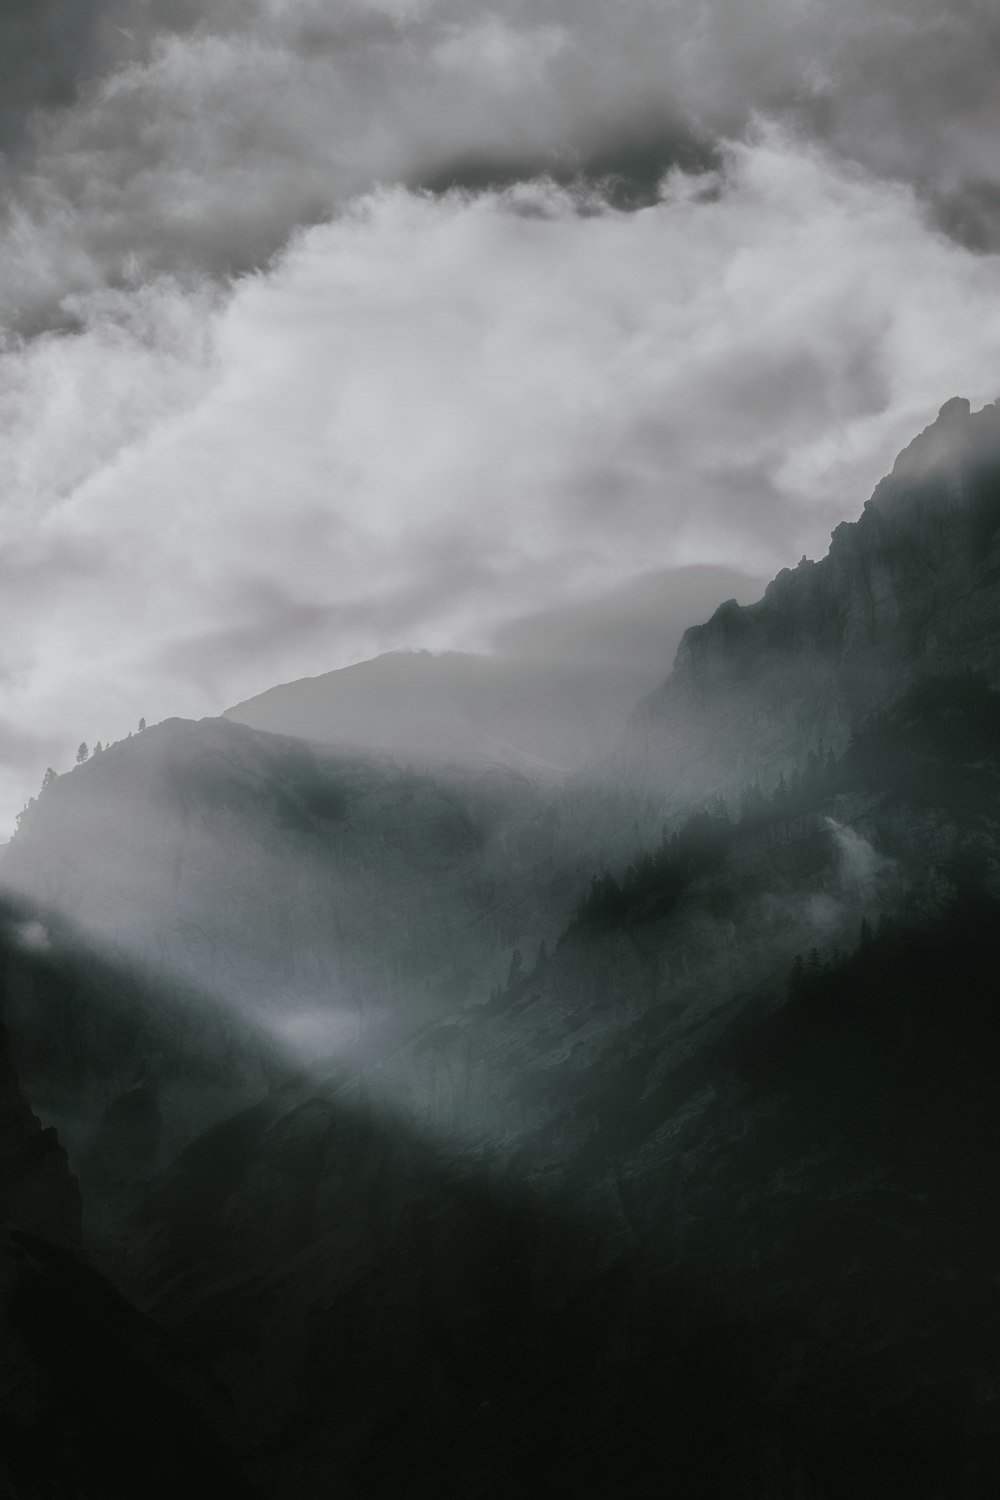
x: 92, y: 1399
x: 793, y: 1295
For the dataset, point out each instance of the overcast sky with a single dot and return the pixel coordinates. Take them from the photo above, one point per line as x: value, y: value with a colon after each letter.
x: 330, y: 327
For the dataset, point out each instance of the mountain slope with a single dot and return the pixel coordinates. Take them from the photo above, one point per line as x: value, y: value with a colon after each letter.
x: 88, y: 1404
x: 320, y: 895
x: 127, y: 1067
x: 344, y: 902
x: 455, y: 709
x: 748, y: 1266
x: 698, y: 1193
x: 912, y: 587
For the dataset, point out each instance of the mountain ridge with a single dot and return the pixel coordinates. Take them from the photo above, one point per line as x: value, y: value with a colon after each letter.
x: 912, y: 586
x: 551, y: 694
x: 704, y: 1185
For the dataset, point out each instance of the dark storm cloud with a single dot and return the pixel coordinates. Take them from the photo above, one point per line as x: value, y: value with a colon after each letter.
x: 214, y: 132
x: 971, y: 214
x: 50, y: 50
x: 911, y: 92
x: 46, y: 48
x: 627, y: 172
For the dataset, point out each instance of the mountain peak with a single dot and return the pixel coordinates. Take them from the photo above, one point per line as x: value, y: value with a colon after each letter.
x: 912, y: 587
x: 956, y: 408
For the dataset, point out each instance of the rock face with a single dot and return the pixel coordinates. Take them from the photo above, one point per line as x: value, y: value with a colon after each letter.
x: 912, y: 587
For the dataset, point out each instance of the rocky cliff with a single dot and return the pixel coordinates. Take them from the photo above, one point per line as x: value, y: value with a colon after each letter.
x: 911, y: 588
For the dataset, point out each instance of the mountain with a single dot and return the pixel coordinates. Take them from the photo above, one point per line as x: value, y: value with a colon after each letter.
x: 335, y: 901
x: 287, y: 880
x: 91, y: 1393
x: 631, y: 1130
x: 763, y: 1262
x: 204, y: 908
x: 127, y: 1066
x: 912, y: 587
x: 550, y: 698
x: 455, y: 709
x: 673, y: 1202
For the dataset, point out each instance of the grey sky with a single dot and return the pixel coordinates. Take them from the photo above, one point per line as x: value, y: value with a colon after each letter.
x: 331, y: 328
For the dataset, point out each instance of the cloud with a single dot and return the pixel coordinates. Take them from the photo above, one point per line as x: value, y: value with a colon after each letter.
x: 633, y: 628
x: 435, y: 416
x: 204, y: 136
x: 45, y: 49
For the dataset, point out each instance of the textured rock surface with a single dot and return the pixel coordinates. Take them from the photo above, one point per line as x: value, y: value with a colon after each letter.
x: 913, y: 586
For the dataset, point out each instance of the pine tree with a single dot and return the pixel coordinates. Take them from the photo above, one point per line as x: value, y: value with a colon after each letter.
x: 142, y: 725
x: 48, y: 779
x: 82, y: 753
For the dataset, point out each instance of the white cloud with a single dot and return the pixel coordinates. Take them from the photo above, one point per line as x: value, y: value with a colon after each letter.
x: 432, y: 415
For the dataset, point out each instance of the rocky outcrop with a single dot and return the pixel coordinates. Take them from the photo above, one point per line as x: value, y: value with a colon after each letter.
x: 911, y: 588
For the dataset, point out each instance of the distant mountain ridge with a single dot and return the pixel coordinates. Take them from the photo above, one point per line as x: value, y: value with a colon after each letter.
x: 911, y: 588
x: 552, y: 695
x: 455, y: 708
